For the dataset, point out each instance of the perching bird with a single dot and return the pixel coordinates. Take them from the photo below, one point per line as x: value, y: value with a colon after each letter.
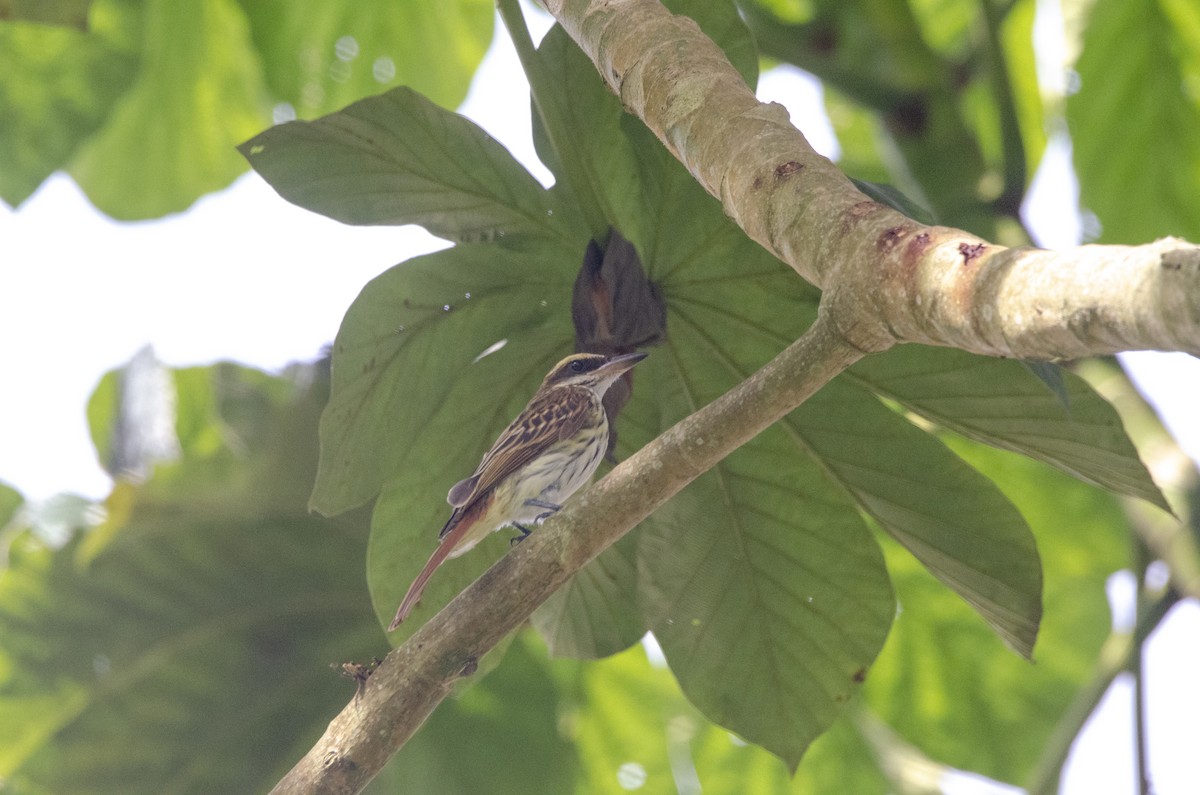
x: 547, y: 453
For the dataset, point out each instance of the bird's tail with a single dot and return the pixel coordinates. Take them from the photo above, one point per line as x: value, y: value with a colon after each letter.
x: 418, y: 585
x: 451, y: 538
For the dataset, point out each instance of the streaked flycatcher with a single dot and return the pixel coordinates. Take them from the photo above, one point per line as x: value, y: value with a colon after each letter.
x: 547, y: 453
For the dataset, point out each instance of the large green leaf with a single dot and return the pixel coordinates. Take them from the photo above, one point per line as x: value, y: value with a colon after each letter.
x: 595, y: 614
x: 57, y: 87
x: 1002, y: 404
x: 950, y: 517
x: 770, y: 605
x: 185, y: 645
x: 321, y: 55
x: 760, y: 580
x: 397, y: 158
x: 578, y: 123
x: 945, y: 684
x: 1145, y: 101
x: 199, y: 73
x: 597, y: 168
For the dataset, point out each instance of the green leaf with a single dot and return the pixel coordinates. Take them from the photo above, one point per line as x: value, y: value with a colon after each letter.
x: 597, y: 168
x: 860, y: 140
x: 320, y: 56
x: 397, y: 158
x: 1001, y: 403
x: 945, y: 24
x: 945, y: 684
x: 57, y: 87
x: 102, y: 407
x: 170, y: 138
x: 603, y: 161
x: 760, y: 580
x: 770, y: 607
x: 410, y: 392
x: 951, y: 518
x: 186, y: 645
x: 595, y: 614
x: 1148, y: 98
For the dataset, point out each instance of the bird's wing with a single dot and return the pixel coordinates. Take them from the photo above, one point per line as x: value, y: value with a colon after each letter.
x: 548, y: 418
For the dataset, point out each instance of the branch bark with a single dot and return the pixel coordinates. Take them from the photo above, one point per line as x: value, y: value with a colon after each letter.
x: 886, y: 276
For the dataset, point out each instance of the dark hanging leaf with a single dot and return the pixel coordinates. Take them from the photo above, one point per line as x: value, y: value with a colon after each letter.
x: 615, y: 309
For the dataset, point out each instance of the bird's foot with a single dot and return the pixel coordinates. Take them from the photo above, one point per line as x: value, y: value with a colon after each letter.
x: 525, y: 531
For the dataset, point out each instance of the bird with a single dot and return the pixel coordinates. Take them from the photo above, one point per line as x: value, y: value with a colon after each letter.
x: 543, y: 457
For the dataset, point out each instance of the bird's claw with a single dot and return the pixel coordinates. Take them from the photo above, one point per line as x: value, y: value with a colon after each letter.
x: 525, y: 531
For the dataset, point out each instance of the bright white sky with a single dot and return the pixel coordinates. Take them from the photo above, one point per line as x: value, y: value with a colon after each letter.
x: 244, y: 275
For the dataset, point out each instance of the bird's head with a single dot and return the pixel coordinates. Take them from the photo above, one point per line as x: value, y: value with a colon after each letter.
x: 591, y: 370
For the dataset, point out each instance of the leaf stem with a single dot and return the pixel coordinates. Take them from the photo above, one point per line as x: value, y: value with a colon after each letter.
x: 554, y: 120
x: 1012, y: 145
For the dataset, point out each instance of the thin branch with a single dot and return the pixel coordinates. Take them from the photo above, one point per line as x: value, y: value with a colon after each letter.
x: 888, y: 278
x: 1115, y: 656
x: 417, y: 675
x: 1137, y: 669
x: 554, y: 119
x: 1012, y: 145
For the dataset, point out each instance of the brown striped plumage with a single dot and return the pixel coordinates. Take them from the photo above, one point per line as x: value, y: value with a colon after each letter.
x: 547, y: 453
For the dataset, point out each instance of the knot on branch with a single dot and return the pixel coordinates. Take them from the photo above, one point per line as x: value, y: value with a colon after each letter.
x: 335, y: 760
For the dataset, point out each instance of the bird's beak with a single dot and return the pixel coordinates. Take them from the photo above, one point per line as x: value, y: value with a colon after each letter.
x: 617, y: 365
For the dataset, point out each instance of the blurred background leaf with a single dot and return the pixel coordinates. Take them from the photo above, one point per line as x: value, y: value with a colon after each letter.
x: 144, y: 103
x: 205, y: 591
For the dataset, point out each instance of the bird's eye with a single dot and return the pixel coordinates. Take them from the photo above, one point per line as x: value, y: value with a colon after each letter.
x: 577, y: 366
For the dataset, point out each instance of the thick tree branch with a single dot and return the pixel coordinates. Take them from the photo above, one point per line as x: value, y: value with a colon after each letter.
x: 416, y: 676
x: 888, y: 277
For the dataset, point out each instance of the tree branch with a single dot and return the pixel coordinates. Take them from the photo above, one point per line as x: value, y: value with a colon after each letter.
x: 889, y: 278
x: 417, y: 675
x: 1114, y: 659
